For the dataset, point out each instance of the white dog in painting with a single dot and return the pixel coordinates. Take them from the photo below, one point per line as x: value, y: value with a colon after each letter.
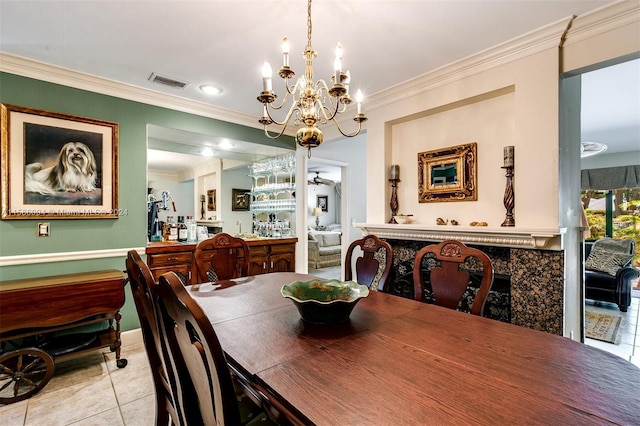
x: 74, y: 171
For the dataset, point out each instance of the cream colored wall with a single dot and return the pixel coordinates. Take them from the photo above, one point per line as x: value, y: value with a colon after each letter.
x: 207, y: 175
x: 508, y: 95
x: 504, y: 96
x: 502, y: 105
x: 489, y: 123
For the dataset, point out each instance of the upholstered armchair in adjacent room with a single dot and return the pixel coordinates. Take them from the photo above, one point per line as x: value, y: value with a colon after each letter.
x: 608, y: 272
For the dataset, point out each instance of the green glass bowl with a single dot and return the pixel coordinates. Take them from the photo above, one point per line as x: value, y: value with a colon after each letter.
x: 324, y: 301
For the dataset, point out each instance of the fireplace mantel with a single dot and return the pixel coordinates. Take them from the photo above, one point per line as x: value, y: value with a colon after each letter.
x: 541, y: 239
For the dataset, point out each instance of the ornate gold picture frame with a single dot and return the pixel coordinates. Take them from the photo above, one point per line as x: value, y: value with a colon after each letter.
x: 211, y: 200
x: 448, y: 174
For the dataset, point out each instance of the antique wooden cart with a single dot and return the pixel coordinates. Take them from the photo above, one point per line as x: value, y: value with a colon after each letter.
x: 46, y: 319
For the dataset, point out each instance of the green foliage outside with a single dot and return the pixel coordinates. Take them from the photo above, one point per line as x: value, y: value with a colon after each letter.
x: 625, y: 225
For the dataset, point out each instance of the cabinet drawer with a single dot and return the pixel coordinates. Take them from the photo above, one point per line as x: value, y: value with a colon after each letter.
x: 258, y: 251
x: 183, y: 272
x: 170, y: 259
x: 283, y: 248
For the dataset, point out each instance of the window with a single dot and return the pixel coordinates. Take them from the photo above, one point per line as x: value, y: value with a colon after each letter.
x: 614, y: 213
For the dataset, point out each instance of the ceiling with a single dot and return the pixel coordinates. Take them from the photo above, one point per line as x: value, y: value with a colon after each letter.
x: 610, y: 107
x: 187, y: 149
x: 225, y: 42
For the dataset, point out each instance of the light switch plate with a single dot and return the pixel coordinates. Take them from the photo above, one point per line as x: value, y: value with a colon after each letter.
x: 43, y: 229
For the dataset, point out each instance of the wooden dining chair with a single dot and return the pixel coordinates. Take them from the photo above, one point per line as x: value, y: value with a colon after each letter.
x: 374, y: 266
x: 443, y: 269
x: 221, y: 257
x: 141, y: 281
x: 191, y: 341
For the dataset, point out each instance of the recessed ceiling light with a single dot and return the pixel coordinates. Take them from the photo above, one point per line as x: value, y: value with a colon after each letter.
x: 207, y: 152
x: 210, y: 90
x: 225, y: 144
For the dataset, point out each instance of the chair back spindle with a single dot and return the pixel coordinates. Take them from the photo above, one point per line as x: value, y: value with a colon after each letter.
x: 370, y: 269
x: 448, y: 280
x: 141, y: 281
x: 192, y: 341
x: 221, y: 257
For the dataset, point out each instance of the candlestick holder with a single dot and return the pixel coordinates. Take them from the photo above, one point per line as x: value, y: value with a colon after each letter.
x: 509, y: 198
x: 394, y: 199
x: 202, y: 208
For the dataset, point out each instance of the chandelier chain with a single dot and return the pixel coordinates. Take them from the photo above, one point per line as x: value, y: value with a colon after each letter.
x: 309, y: 25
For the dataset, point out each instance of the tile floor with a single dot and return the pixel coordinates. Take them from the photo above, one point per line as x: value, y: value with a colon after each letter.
x: 92, y: 391
x: 329, y: 273
x: 629, y: 347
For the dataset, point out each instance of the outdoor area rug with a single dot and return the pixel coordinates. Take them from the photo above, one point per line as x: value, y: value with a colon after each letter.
x: 603, y: 327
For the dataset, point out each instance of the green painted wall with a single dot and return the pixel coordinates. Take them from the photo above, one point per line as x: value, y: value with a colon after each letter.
x: 18, y: 237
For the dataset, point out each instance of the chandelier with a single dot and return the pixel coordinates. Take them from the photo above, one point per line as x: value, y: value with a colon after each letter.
x: 312, y: 103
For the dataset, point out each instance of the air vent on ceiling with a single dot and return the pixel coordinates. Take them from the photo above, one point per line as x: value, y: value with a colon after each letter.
x: 167, y: 81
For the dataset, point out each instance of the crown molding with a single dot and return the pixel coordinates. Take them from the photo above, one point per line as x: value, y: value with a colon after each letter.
x: 520, y: 47
x: 45, y: 72
x: 598, y: 21
x: 604, y: 19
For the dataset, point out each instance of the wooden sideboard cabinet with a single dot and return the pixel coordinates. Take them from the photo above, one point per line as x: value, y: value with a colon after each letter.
x: 282, y: 257
x: 265, y: 255
x: 258, y: 260
x: 176, y: 257
x: 277, y: 255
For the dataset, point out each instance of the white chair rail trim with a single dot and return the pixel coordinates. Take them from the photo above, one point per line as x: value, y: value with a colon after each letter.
x: 541, y: 239
x: 28, y: 259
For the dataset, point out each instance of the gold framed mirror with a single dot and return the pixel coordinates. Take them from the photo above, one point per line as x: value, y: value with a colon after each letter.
x: 448, y: 174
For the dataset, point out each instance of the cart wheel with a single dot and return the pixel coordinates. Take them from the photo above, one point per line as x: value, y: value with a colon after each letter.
x: 23, y: 373
x: 121, y: 363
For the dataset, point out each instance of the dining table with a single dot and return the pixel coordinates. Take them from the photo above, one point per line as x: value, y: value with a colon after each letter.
x: 398, y: 361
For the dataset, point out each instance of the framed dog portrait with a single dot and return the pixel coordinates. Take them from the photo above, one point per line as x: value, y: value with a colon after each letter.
x: 58, y: 166
x: 240, y: 200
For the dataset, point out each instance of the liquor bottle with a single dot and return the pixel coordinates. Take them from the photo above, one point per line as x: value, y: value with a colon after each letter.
x: 182, y: 229
x: 173, y: 229
x: 165, y: 230
x: 192, y: 229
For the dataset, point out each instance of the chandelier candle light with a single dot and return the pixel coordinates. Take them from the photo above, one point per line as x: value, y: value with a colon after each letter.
x: 312, y: 103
